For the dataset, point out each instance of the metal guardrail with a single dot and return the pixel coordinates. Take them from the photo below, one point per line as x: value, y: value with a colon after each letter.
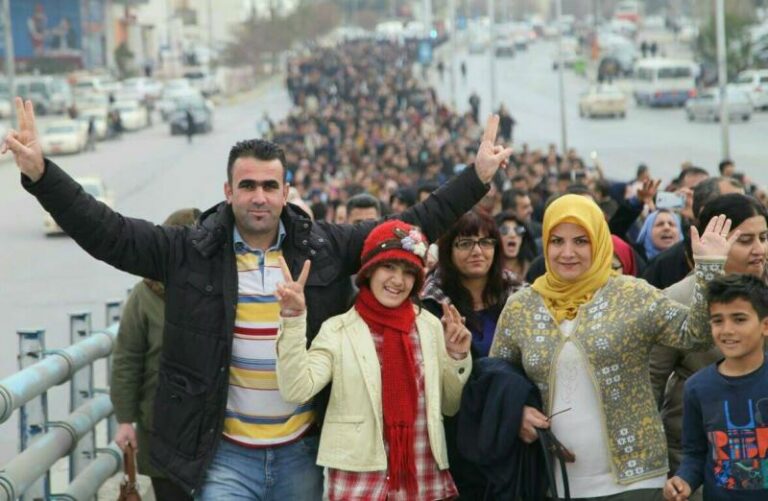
x: 42, y: 442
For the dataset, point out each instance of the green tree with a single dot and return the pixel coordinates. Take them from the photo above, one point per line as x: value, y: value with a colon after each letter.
x: 738, y: 43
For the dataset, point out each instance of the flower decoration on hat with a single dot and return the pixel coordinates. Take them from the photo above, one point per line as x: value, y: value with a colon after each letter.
x: 413, y: 241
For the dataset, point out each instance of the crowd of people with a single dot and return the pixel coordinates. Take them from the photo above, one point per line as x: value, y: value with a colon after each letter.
x: 518, y: 327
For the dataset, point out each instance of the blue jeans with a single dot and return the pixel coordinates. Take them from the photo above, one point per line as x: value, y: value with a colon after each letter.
x: 286, y: 472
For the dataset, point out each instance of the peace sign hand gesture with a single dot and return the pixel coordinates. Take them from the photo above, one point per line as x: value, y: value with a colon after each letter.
x: 490, y: 156
x: 714, y: 242
x: 458, y: 339
x: 24, y: 143
x: 290, y: 293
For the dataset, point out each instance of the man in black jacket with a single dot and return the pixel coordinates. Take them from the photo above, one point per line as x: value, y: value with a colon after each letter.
x: 199, y: 267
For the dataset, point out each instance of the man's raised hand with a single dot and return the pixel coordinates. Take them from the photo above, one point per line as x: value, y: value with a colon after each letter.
x: 290, y: 293
x: 24, y: 143
x: 490, y: 156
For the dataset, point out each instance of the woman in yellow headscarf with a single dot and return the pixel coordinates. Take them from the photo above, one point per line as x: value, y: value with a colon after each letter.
x: 583, y: 334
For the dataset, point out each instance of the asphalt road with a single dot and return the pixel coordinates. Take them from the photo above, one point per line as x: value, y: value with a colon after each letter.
x: 660, y: 137
x: 150, y: 174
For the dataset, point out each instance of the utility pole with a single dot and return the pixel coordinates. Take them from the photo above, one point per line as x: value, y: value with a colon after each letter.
x: 492, y: 52
x: 10, y: 55
x: 560, y: 70
x: 452, y: 58
x: 722, y: 78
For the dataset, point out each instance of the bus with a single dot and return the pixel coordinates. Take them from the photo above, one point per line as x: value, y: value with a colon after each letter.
x: 664, y: 82
x: 629, y: 10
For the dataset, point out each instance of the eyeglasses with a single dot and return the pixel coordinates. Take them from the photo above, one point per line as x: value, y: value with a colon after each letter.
x: 467, y: 244
x: 506, y: 230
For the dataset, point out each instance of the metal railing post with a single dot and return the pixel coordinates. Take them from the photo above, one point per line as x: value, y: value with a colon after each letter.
x: 33, y: 416
x: 113, y: 313
x: 81, y: 391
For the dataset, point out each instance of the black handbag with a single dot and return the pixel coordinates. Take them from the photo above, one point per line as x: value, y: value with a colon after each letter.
x: 555, y: 452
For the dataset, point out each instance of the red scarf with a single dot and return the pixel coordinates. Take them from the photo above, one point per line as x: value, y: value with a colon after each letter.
x: 398, y: 381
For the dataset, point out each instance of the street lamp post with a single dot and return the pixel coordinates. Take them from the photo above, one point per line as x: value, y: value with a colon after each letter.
x: 722, y: 78
x: 492, y: 52
x: 10, y: 55
x: 560, y: 81
x: 452, y: 58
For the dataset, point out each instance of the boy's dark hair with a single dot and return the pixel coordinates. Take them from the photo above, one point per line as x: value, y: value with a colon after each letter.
x: 259, y: 149
x: 363, y: 201
x: 509, y: 198
x: 724, y: 165
x: 728, y: 288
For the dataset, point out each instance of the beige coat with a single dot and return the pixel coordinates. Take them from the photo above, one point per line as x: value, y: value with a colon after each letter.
x: 344, y: 353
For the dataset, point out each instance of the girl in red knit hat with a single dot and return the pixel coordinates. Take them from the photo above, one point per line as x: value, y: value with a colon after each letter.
x: 396, y: 369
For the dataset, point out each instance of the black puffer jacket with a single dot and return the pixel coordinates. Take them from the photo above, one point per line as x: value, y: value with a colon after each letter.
x: 197, y: 265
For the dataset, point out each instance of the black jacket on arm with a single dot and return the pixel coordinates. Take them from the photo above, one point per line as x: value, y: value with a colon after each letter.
x: 197, y: 265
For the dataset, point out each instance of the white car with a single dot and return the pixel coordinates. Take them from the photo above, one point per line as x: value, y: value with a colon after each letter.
x: 603, y: 100
x: 755, y: 84
x: 5, y: 106
x: 100, y: 121
x: 171, y: 98
x: 706, y: 106
x: 95, y: 187
x: 133, y: 114
x: 63, y: 136
x: 143, y: 87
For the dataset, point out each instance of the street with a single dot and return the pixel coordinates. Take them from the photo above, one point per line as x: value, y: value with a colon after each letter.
x: 662, y: 138
x: 149, y: 174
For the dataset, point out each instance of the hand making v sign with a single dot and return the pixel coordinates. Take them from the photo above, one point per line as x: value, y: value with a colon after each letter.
x: 290, y: 293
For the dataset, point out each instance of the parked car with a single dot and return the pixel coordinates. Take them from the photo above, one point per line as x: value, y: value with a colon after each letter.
x: 603, y: 100
x: 146, y: 89
x: 706, y: 106
x: 100, y: 121
x: 202, y: 114
x: 5, y: 104
x: 95, y: 187
x: 50, y: 94
x: 570, y: 53
x: 63, y: 136
x: 171, y: 96
x: 755, y: 84
x: 505, y: 48
x: 133, y: 114
x: 202, y: 81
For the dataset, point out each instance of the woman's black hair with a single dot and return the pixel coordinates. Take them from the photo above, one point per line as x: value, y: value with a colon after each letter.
x: 495, y: 293
x: 735, y: 206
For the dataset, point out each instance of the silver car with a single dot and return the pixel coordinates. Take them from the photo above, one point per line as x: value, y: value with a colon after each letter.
x: 706, y: 106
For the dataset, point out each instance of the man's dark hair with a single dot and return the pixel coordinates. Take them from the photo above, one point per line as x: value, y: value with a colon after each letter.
x: 641, y: 169
x: 259, y: 149
x: 735, y: 206
x: 724, y: 164
x: 708, y: 190
x: 728, y: 288
x: 579, y: 189
x: 426, y: 188
x: 363, y: 201
x: 691, y: 171
x: 509, y: 198
x: 405, y: 195
x: 319, y: 211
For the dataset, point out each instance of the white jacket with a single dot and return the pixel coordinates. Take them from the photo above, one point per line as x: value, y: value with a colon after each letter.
x: 344, y: 352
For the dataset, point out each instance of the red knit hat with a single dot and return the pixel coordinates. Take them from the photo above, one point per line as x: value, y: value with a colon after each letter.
x: 394, y: 240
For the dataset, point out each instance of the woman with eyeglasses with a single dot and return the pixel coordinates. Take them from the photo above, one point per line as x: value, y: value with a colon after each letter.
x: 517, y: 245
x: 470, y: 275
x: 582, y: 332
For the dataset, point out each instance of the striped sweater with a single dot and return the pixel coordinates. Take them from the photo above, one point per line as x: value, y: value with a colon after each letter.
x: 256, y: 414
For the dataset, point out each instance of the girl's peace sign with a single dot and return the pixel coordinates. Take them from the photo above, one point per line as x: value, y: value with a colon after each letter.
x: 290, y: 293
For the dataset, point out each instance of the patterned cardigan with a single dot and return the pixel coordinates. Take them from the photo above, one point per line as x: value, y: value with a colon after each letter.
x: 615, y: 330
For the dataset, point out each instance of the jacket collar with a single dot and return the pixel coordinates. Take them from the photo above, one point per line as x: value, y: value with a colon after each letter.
x: 217, y: 225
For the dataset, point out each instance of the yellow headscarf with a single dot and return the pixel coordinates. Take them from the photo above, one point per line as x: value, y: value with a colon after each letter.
x: 563, y: 298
